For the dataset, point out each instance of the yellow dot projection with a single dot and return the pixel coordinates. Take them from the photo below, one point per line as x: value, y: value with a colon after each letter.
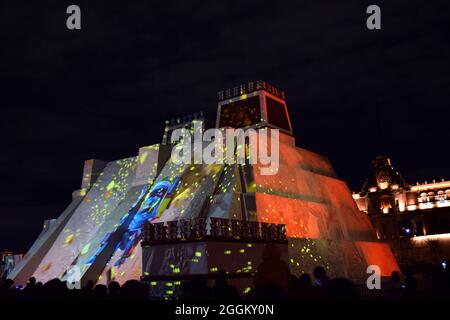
x: 81, y: 236
x: 241, y: 113
x: 143, y: 157
x: 116, y: 188
x: 85, y: 249
x: 196, y: 182
x: 69, y: 239
x: 304, y: 255
x: 224, y: 202
x: 192, y: 183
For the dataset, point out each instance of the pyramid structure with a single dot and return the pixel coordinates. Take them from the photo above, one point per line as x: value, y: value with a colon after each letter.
x: 99, y: 232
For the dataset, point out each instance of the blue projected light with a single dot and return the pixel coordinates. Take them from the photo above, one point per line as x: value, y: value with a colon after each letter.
x: 154, y: 203
x: 148, y: 207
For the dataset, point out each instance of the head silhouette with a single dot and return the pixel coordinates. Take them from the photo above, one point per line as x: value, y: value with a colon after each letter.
x: 320, y: 275
x: 221, y: 278
x: 395, y: 276
x: 305, y: 280
x: 32, y: 281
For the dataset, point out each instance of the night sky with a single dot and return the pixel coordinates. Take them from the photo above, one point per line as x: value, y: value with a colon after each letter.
x: 104, y: 91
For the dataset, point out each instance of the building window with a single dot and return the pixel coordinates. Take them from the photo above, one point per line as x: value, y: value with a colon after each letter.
x: 405, y: 228
x: 419, y: 229
x: 385, y: 204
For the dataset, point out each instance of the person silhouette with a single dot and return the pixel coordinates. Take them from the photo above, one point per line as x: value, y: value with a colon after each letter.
x: 272, y: 270
x: 223, y: 291
x: 321, y: 276
x: 394, y: 287
x: 113, y: 290
x: 199, y: 289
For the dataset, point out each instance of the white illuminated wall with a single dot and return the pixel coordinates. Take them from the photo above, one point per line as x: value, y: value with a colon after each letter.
x: 92, y: 215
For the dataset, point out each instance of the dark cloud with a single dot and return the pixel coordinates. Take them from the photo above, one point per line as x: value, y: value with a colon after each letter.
x: 104, y: 91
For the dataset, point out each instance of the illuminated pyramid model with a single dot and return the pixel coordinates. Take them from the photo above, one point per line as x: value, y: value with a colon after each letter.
x: 152, y: 198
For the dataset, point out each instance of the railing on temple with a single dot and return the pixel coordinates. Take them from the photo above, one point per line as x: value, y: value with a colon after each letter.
x: 212, y: 229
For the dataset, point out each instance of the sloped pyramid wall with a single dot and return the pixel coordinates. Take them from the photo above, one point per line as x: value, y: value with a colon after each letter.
x: 195, y: 185
x: 95, y: 212
x: 32, y: 259
x: 322, y: 220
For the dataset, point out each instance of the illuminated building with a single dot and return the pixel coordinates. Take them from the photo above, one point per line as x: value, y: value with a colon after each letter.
x: 201, y: 218
x: 414, y: 219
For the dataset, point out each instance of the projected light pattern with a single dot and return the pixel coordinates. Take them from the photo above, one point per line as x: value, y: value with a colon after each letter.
x: 240, y: 113
x: 116, y: 188
x: 107, y: 236
x: 155, y: 197
x: 153, y: 204
x: 197, y: 183
x: 201, y: 257
x: 308, y: 201
x: 321, y: 218
x: 305, y: 254
x: 191, y: 187
x: 225, y: 201
x: 102, y: 238
x: 95, y: 211
x: 179, y: 191
x: 147, y: 207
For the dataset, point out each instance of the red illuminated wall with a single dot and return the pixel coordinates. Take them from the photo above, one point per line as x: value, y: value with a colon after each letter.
x: 306, y: 196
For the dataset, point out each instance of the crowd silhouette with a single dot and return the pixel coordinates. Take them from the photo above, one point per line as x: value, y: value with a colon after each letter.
x: 272, y: 282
